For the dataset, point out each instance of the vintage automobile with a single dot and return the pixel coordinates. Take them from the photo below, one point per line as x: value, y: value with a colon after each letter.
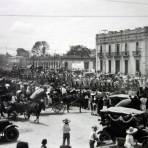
x: 116, y: 120
x: 115, y: 99
x: 8, y: 131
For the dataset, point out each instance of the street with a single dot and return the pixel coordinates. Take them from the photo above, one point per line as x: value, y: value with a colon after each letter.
x: 50, y: 127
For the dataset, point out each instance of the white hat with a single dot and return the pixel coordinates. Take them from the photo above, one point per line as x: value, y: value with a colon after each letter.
x: 7, y: 85
x: 131, y: 130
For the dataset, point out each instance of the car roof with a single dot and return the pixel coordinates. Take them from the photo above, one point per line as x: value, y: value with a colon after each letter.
x: 120, y: 96
x: 122, y: 110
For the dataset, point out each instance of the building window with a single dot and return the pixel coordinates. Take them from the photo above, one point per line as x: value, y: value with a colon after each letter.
x: 126, y: 48
x: 117, y: 66
x: 118, y: 48
x: 137, y: 66
x: 109, y: 49
x: 126, y: 67
x: 109, y: 65
x: 86, y: 65
x: 101, y: 65
x: 101, y: 49
x: 66, y: 65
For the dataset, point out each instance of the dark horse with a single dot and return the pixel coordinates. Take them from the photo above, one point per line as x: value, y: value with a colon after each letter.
x: 26, y: 109
x: 74, y: 99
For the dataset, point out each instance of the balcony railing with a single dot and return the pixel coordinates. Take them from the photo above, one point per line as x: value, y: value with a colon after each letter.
x: 117, y: 54
x: 137, y: 53
x: 125, y: 54
x: 109, y: 54
x: 100, y: 55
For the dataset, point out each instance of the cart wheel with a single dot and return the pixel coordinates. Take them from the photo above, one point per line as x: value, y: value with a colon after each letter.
x: 11, y: 134
x: 26, y: 115
x: 61, y: 108
x: 13, y: 115
x: 145, y: 144
x: 55, y: 108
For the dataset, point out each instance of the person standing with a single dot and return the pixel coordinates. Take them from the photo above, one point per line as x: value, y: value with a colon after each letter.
x: 93, y: 137
x: 129, y: 141
x: 66, y: 132
x: 22, y: 144
x: 44, y: 142
x: 143, y: 104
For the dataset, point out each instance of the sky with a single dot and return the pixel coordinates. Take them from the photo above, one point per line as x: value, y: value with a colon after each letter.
x: 63, y: 23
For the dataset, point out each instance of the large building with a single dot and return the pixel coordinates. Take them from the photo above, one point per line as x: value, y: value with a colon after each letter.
x: 124, y: 51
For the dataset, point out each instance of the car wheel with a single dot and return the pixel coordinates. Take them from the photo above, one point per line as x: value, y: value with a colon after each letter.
x: 11, y: 134
x: 13, y: 116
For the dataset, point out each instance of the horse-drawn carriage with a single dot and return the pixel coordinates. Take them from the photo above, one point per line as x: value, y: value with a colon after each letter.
x: 116, y: 120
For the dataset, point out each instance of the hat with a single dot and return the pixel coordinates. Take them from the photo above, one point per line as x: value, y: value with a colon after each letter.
x: 44, y: 141
x: 131, y: 130
x: 66, y: 120
x: 7, y: 85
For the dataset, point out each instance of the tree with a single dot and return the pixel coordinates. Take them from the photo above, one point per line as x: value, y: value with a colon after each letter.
x: 40, y: 48
x: 79, y: 50
x: 22, y: 52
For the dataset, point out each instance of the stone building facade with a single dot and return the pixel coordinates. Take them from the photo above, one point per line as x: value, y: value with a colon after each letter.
x: 124, y: 51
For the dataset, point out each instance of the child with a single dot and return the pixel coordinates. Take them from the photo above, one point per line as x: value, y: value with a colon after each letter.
x: 44, y: 142
x: 129, y: 141
x: 66, y: 132
x: 93, y: 137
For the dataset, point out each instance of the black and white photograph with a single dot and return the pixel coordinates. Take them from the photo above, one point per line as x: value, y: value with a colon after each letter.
x: 73, y: 74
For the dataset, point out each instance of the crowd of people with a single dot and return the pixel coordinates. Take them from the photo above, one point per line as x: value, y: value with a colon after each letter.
x: 93, y: 92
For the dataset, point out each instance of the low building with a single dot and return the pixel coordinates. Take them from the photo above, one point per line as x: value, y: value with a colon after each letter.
x: 46, y: 62
x: 78, y: 63
x: 123, y: 51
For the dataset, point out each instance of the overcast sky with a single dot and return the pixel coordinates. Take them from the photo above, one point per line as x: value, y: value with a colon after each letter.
x: 63, y: 23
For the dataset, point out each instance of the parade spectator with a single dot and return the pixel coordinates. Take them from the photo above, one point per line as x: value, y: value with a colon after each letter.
x: 129, y: 141
x: 93, y: 137
x: 143, y: 104
x: 22, y: 144
x: 44, y: 142
x: 66, y: 132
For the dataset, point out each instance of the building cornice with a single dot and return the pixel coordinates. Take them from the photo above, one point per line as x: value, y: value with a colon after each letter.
x: 122, y: 36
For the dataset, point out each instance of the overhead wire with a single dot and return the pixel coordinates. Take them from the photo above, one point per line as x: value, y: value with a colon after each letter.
x: 129, y: 2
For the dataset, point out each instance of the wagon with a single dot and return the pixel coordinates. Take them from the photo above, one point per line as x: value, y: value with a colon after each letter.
x: 8, y: 131
x: 116, y: 120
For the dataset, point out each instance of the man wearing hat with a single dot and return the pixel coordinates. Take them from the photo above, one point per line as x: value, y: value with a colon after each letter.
x: 93, y: 137
x: 66, y: 132
x: 129, y: 141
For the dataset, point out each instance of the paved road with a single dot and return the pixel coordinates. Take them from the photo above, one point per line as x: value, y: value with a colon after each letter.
x: 50, y: 127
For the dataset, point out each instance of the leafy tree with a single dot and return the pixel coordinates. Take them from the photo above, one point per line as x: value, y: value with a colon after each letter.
x: 40, y: 48
x: 79, y: 50
x: 22, y: 52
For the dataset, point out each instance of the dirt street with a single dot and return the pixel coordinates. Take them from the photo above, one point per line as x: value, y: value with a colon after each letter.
x: 50, y: 127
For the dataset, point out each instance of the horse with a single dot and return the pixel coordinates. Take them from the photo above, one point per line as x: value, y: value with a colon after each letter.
x: 36, y: 108
x: 27, y: 109
x: 74, y: 99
